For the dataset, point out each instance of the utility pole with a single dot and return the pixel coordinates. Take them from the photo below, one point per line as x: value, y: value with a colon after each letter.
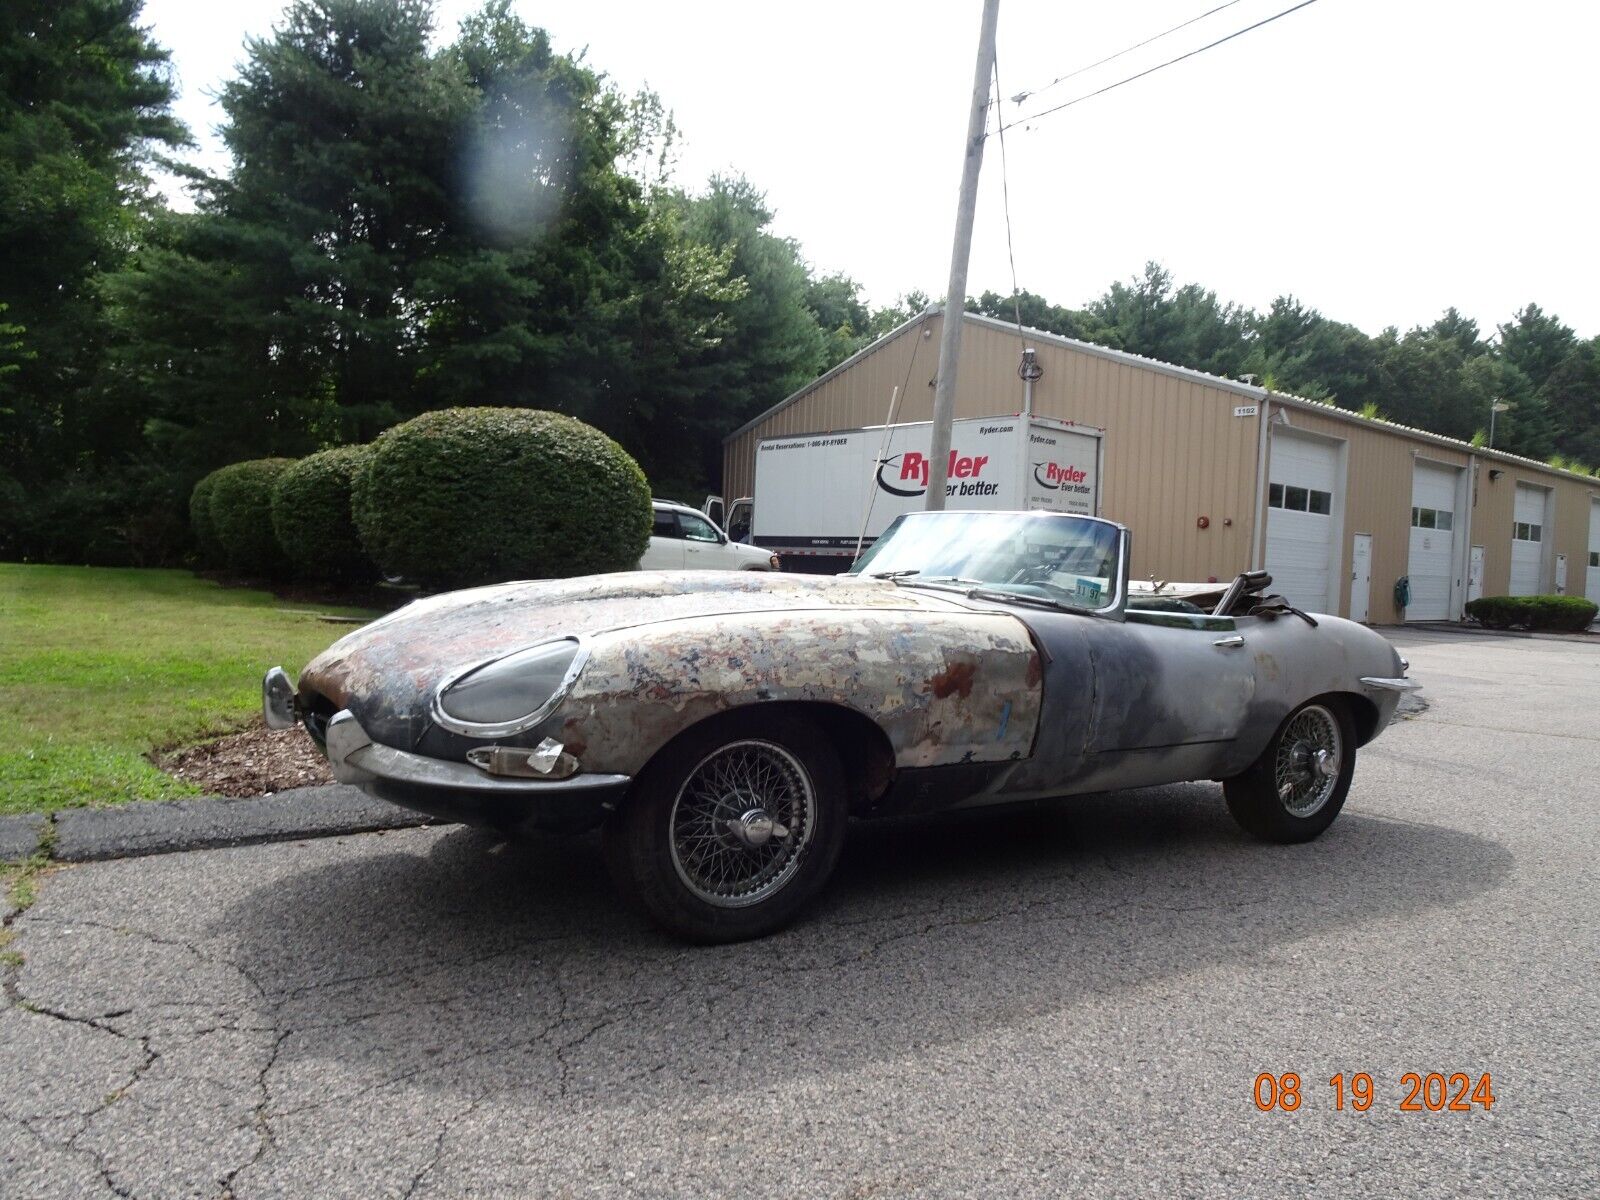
x: 955, y: 302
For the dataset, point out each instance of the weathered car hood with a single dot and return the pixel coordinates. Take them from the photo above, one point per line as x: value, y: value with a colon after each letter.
x: 385, y: 671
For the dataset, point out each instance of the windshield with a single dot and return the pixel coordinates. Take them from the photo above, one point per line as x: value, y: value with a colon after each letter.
x: 1071, y: 561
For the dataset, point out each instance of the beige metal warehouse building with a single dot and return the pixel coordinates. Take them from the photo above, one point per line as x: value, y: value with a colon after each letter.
x: 1215, y: 476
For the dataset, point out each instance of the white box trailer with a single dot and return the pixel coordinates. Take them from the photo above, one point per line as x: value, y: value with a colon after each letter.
x: 818, y: 496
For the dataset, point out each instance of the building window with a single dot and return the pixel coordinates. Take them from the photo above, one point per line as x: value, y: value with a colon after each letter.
x: 1594, y: 558
x: 1525, y: 532
x: 1432, y: 518
x: 1299, y: 499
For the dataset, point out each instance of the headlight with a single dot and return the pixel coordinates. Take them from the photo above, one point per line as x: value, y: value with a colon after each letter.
x: 510, y: 694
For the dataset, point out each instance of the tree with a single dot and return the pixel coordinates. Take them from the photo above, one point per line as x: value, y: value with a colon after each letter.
x: 1297, y: 350
x: 84, y: 99
x: 1571, y: 395
x: 1039, y: 313
x: 1187, y: 326
x: 1536, y: 343
x: 836, y: 306
x: 770, y: 342
x: 288, y: 311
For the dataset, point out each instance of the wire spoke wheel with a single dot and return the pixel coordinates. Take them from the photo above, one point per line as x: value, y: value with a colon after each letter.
x: 1310, y: 756
x: 741, y: 823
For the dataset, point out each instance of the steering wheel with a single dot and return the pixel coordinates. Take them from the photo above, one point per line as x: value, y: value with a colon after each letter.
x: 1032, y: 573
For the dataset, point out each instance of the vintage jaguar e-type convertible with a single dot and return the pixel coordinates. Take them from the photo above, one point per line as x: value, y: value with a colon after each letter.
x: 722, y: 728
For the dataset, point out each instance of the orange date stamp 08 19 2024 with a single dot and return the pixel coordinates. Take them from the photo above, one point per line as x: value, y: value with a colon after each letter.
x: 1433, y: 1091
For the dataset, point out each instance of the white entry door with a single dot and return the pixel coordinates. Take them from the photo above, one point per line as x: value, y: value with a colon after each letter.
x: 1592, y: 584
x: 1475, y: 574
x: 1561, y: 574
x: 1360, y: 576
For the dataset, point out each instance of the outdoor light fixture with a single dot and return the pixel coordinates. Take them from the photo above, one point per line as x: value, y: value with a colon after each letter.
x: 1496, y: 405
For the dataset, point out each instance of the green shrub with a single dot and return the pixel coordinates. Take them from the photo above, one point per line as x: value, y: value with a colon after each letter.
x: 200, y: 523
x: 473, y: 495
x: 311, y: 515
x: 1567, y: 614
x: 241, y: 516
x: 121, y: 516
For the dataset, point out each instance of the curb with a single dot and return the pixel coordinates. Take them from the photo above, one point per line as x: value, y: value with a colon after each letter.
x: 205, y: 823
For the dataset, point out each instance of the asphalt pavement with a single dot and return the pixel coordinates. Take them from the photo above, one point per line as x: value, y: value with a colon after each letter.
x: 1077, y: 999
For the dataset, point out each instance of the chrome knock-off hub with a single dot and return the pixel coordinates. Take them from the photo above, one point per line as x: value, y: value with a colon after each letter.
x: 755, y: 828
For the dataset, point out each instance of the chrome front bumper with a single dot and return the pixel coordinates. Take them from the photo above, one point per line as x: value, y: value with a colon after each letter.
x: 357, y: 759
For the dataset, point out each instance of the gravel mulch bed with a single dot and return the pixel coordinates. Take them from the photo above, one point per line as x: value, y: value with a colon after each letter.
x: 253, y: 762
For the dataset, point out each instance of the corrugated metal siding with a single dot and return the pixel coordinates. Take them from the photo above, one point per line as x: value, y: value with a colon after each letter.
x: 1174, y: 452
x: 1572, y: 533
x: 1379, y: 468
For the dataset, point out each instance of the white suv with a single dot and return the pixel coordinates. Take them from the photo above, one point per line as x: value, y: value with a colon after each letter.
x: 685, y: 539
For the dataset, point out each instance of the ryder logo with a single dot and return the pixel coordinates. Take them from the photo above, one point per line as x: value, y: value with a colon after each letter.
x: 913, y: 471
x: 1057, y: 476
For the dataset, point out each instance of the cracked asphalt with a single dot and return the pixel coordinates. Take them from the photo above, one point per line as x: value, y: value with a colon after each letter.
x: 1071, y: 999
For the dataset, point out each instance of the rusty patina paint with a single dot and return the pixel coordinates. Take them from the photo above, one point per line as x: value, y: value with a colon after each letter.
x: 895, y: 668
x: 668, y: 649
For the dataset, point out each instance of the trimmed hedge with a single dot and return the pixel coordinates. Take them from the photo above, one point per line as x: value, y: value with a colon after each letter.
x: 1568, y: 614
x: 311, y: 515
x: 205, y: 531
x: 475, y: 495
x: 241, y: 516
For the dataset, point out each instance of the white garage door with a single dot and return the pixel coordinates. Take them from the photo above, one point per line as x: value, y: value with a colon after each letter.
x: 1527, y: 541
x: 1592, y: 588
x: 1432, y: 563
x: 1300, y: 507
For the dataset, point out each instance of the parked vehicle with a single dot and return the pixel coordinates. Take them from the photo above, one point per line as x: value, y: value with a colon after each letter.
x: 684, y: 539
x: 723, y: 729
x: 822, y: 496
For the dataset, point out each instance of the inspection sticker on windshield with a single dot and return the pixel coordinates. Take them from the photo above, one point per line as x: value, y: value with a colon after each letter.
x: 1088, y: 591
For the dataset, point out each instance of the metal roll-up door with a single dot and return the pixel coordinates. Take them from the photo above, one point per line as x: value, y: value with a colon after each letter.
x: 1431, y: 564
x: 1592, y: 584
x: 1301, y: 504
x: 1527, y: 541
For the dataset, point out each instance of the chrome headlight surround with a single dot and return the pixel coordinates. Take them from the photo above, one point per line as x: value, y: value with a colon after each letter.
x: 515, y: 725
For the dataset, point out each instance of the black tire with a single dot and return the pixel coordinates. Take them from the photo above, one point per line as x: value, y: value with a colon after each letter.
x: 642, y: 842
x: 1254, y: 798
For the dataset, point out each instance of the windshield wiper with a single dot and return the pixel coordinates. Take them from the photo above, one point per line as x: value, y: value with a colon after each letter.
x: 983, y: 593
x: 894, y: 574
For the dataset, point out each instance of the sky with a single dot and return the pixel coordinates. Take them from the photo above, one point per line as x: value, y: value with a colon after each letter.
x: 1379, y: 159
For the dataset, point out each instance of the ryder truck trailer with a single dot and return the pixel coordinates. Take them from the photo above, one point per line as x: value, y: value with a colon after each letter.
x: 818, y: 495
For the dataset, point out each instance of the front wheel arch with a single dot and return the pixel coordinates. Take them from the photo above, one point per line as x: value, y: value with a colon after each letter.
x: 652, y: 856
x: 861, y: 744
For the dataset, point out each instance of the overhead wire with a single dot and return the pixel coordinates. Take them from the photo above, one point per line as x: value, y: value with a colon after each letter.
x: 1022, y: 96
x: 1152, y: 70
x: 1005, y: 192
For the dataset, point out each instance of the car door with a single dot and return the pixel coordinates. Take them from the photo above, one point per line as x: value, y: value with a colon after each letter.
x: 665, y: 552
x: 1167, y: 679
x: 703, y: 546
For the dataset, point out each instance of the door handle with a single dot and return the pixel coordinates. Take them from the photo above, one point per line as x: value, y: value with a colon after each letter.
x: 1229, y: 643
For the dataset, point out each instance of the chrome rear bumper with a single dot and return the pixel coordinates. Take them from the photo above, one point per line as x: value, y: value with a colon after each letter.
x: 1386, y: 684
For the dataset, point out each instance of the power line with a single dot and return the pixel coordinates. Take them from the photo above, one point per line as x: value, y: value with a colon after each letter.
x: 1158, y: 67
x: 1021, y: 96
x: 1005, y: 194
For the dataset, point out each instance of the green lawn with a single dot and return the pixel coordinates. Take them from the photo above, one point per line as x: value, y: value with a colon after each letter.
x: 97, y: 666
